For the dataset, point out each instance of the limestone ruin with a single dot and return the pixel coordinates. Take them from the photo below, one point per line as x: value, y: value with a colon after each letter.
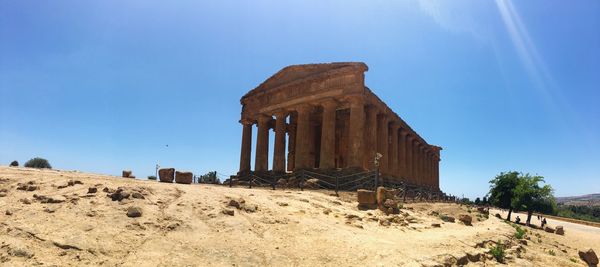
x: 331, y: 121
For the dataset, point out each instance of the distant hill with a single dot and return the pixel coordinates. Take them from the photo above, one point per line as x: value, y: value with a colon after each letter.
x: 585, y: 200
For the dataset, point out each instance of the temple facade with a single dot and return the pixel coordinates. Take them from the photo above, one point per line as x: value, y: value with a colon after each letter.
x: 324, y: 118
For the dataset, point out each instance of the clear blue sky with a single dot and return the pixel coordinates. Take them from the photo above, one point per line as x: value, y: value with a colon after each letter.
x: 103, y: 86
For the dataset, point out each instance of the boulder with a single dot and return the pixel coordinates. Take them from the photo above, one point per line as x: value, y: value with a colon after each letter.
x: 466, y: 219
x: 92, y: 190
x: 126, y: 173
x: 589, y: 257
x: 549, y: 229
x: 390, y: 206
x: 134, y: 212
x: 166, y: 175
x: 447, y: 218
x: 560, y: 230
x: 184, y: 177
x: 366, y: 199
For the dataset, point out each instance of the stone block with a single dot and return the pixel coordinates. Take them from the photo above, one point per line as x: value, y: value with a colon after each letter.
x: 166, y: 175
x: 184, y: 177
x: 126, y: 173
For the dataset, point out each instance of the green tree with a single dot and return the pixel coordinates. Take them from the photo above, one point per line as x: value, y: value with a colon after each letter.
x: 531, y: 197
x: 478, y: 201
x: 502, y: 190
x: 39, y: 163
x: 484, y: 201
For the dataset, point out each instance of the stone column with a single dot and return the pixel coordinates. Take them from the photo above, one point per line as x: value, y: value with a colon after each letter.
x: 409, y: 159
x: 370, y: 137
x: 279, y: 149
x: 415, y: 163
x: 261, y: 162
x: 356, y: 128
x: 382, y: 142
x: 291, y: 129
x: 246, y: 153
x: 393, y: 163
x: 420, y: 166
x: 327, y: 158
x: 302, y: 137
x: 402, y: 159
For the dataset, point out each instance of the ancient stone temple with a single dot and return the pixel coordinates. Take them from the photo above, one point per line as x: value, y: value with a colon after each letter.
x: 324, y: 118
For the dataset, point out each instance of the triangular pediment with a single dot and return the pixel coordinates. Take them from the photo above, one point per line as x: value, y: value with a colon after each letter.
x: 295, y: 73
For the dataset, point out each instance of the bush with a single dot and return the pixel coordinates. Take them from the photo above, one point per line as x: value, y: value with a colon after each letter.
x: 14, y: 163
x: 552, y: 253
x: 151, y: 177
x: 520, y: 233
x: 39, y: 163
x: 498, y: 252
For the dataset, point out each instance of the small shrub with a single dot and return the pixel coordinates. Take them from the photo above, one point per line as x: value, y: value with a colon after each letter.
x: 573, y: 260
x: 39, y: 163
x: 498, y: 252
x: 551, y: 252
x: 520, y: 233
x: 14, y: 163
x: 151, y: 177
x: 539, y: 240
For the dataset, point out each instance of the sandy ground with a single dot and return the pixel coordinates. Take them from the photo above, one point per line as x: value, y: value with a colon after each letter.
x: 57, y: 224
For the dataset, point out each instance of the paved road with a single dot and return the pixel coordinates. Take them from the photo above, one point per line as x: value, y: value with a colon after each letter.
x: 569, y: 226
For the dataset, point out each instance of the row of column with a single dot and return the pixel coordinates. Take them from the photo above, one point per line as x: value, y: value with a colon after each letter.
x: 370, y: 131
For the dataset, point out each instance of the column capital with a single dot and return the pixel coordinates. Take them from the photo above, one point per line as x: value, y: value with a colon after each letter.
x: 356, y: 99
x: 329, y: 103
x: 280, y: 113
x: 247, y: 121
x: 263, y: 118
x: 304, y: 107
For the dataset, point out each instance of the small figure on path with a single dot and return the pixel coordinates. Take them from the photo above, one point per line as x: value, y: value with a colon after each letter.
x: 544, y: 222
x: 518, y: 220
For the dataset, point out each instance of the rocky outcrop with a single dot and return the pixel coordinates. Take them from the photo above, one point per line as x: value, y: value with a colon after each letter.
x: 560, y: 230
x: 589, y: 257
x: 184, y: 177
x: 166, y: 175
x: 466, y: 219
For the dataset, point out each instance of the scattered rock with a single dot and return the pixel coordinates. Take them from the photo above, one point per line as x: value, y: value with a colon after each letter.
x: 523, y: 242
x: 2, y: 194
x: 436, y: 225
x: 560, y: 230
x: 283, y: 204
x: 25, y: 201
x: 384, y: 222
x: 589, y: 257
x: 390, y: 206
x: 92, y: 190
x: 8, y: 212
x: 549, y: 229
x: 326, y: 211
x: 229, y: 212
x: 249, y: 208
x: 447, y: 218
x: 166, y: 175
x: 184, y: 177
x: 50, y: 200
x: 466, y: 219
x: 105, y: 189
x: 235, y: 203
x: 137, y: 195
x: 119, y: 195
x: 19, y: 252
x: 498, y: 216
x: 50, y: 209
x: 474, y: 256
x: 312, y: 183
x: 134, y: 212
